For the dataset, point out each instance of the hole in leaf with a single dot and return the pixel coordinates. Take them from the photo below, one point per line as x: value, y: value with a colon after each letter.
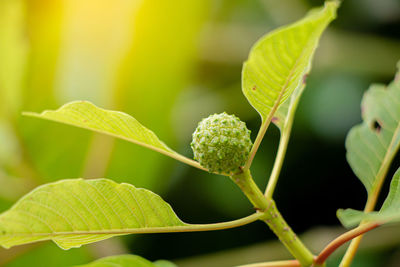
x: 376, y: 126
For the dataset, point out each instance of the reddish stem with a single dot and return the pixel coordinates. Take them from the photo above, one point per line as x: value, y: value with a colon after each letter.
x: 288, y: 263
x: 342, y: 239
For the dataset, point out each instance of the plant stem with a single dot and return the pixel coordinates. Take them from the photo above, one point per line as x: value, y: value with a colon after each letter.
x: 273, y: 218
x: 342, y: 239
x: 283, y: 143
x: 286, y: 235
x: 280, y: 156
x: 351, y: 252
x: 246, y: 183
x: 263, y: 129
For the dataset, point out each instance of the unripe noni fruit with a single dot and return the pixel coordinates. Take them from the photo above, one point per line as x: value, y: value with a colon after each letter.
x: 221, y: 143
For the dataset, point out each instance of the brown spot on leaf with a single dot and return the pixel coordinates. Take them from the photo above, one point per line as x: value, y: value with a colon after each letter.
x: 377, y: 126
x: 254, y: 88
x: 305, y: 76
x: 275, y: 119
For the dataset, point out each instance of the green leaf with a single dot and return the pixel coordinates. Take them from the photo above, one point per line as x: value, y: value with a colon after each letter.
x: 279, y: 61
x: 164, y: 263
x: 75, y: 212
x: 349, y: 217
x: 125, y: 261
x: 86, y: 115
x: 372, y: 145
x: 283, y: 114
x: 389, y: 212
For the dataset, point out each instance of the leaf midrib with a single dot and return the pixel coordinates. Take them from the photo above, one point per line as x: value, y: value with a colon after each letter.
x: 265, y: 122
x: 377, y: 185
x: 179, y: 228
x: 165, y: 151
x: 292, y: 71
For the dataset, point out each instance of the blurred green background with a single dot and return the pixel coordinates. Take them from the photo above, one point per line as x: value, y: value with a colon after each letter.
x: 169, y: 64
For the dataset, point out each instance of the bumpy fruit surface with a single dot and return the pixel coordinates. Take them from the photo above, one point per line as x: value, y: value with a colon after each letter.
x: 221, y: 143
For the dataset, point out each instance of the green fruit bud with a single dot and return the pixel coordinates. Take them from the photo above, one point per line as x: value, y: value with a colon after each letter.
x: 221, y: 143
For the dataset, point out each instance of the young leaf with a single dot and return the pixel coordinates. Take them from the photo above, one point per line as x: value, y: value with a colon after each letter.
x: 75, y: 212
x: 349, y: 217
x: 126, y: 260
x: 282, y: 115
x: 278, y: 61
x: 86, y: 115
x: 278, y: 64
x: 390, y: 211
x: 372, y: 145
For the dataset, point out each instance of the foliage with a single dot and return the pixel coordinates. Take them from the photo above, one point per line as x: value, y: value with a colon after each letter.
x: 371, y: 147
x: 118, y: 124
x: 75, y: 212
x: 279, y: 61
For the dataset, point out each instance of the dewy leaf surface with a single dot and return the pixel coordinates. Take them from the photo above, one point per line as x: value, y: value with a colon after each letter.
x: 75, y: 212
x: 390, y: 211
x: 372, y: 145
x: 278, y: 61
x: 124, y: 261
x: 86, y: 115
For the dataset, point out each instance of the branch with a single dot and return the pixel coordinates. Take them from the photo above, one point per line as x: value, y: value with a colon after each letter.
x: 342, y: 239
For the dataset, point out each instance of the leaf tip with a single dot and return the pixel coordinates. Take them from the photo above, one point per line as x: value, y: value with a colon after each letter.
x: 341, y: 215
x: 331, y: 7
x: 339, y: 212
x: 334, y: 4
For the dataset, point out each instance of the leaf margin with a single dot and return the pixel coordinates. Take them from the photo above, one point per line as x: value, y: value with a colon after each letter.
x: 163, y: 149
x: 330, y: 7
x: 59, y: 237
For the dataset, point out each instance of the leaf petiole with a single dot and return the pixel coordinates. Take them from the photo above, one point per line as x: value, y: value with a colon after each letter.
x: 261, y: 132
x: 283, y: 143
x: 344, y: 238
